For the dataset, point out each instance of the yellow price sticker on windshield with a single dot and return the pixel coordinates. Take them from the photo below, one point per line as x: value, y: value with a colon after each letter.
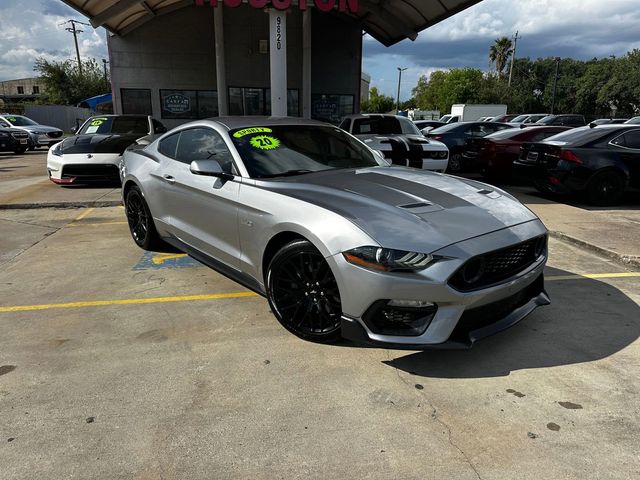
x: 249, y: 131
x: 97, y: 123
x: 265, y: 142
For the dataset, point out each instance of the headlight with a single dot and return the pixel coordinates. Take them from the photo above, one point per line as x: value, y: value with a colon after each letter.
x: 2, y: 134
x: 57, y: 150
x: 387, y: 260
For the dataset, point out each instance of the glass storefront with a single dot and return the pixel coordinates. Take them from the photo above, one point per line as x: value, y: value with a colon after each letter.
x: 188, y: 104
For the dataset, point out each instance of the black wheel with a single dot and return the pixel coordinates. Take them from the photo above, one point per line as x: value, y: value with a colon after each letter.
x: 605, y: 188
x: 455, y: 163
x: 303, y: 293
x: 140, y: 220
x: 20, y: 151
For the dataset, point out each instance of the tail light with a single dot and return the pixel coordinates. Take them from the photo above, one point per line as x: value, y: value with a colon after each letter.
x: 570, y: 156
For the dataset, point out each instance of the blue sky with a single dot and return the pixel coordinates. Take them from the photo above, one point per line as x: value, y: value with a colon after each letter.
x: 569, y: 28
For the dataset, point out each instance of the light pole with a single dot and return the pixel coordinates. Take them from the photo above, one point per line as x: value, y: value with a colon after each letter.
x: 555, y: 85
x: 400, y: 70
x: 104, y: 67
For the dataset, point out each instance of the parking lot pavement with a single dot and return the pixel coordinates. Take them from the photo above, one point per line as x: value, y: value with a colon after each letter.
x: 24, y: 184
x: 119, y: 363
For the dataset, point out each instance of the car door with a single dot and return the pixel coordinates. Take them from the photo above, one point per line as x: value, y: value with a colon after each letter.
x: 630, y: 155
x: 203, y: 209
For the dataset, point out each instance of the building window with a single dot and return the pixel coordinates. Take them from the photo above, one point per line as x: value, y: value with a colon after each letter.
x: 20, y: 90
x: 36, y: 90
x: 331, y: 108
x: 136, y: 101
x: 188, y: 104
x: 257, y: 101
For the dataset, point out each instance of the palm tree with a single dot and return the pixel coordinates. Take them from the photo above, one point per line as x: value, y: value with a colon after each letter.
x: 500, y: 52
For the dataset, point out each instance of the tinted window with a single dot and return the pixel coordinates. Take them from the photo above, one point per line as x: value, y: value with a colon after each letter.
x: 629, y: 140
x: 378, y: 126
x: 449, y: 127
x: 158, y: 127
x: 204, y: 144
x: 408, y: 127
x: 116, y: 125
x: 294, y: 149
x: 579, y: 136
x: 168, y: 145
x: 345, y: 124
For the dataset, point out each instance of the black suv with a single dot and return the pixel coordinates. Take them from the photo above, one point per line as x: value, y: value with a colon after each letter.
x: 564, y: 120
x: 600, y: 161
x: 13, y: 140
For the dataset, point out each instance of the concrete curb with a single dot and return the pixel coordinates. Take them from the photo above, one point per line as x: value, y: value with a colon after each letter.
x: 624, y: 260
x: 91, y: 204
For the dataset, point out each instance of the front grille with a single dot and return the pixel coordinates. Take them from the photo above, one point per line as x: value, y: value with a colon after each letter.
x: 19, y: 136
x: 495, y: 267
x: 54, y: 134
x: 91, y: 172
x: 491, y: 313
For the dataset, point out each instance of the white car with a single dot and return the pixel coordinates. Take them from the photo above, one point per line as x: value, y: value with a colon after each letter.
x: 399, y: 141
x: 95, y: 151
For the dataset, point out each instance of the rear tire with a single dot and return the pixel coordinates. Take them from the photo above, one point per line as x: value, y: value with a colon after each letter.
x: 141, y: 226
x: 605, y: 188
x: 303, y: 293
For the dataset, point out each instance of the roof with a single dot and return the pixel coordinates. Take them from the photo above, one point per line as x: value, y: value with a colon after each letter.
x: 388, y: 21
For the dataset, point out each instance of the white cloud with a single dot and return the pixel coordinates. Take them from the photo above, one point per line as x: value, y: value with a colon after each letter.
x: 26, y: 34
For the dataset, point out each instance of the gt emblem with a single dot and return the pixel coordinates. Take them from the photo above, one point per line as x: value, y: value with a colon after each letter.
x: 89, y: 155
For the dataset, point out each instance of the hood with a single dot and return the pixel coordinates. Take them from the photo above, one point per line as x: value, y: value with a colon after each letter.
x: 11, y: 130
x: 408, y: 209
x: 384, y: 142
x: 40, y: 128
x: 97, y: 143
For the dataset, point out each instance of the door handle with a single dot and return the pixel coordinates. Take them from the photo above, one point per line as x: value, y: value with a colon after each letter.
x: 169, y: 179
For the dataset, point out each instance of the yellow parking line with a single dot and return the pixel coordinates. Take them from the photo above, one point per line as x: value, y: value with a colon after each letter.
x: 593, y: 276
x: 128, y: 301
x: 164, y: 257
x: 84, y: 214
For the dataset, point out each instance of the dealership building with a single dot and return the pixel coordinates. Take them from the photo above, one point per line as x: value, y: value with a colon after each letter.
x: 181, y: 60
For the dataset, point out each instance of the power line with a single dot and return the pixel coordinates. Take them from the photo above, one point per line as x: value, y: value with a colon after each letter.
x: 75, y: 31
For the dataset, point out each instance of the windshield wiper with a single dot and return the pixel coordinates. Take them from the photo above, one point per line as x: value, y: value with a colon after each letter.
x: 288, y: 173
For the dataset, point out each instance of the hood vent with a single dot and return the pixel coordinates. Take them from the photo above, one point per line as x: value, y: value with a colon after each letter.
x: 410, y: 206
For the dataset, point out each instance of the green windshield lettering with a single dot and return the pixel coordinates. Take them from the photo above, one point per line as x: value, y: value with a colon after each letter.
x: 249, y: 131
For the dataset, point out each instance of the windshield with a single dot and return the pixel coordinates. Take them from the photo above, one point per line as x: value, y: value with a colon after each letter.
x: 547, y: 120
x: 20, y: 121
x: 116, y: 125
x: 445, y: 118
x: 285, y: 150
x: 384, y: 126
x: 520, y: 119
x: 633, y: 121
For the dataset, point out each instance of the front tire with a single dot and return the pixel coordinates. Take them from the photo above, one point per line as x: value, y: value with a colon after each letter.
x: 605, y: 188
x: 141, y: 226
x: 455, y: 163
x: 303, y: 293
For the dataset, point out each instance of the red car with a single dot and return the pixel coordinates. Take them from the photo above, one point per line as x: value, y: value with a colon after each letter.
x: 494, y: 154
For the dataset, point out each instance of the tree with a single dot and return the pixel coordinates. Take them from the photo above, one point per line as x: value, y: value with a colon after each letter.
x: 443, y: 89
x: 63, y: 83
x: 500, y: 53
x: 377, y: 103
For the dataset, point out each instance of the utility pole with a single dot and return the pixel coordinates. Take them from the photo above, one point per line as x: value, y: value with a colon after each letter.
x: 513, y: 56
x: 76, y: 31
x: 555, y: 85
x: 400, y: 70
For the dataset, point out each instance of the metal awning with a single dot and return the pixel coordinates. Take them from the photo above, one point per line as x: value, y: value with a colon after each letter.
x: 388, y: 21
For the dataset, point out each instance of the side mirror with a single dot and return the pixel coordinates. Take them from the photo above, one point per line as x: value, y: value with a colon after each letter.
x: 209, y: 168
x: 4, y: 125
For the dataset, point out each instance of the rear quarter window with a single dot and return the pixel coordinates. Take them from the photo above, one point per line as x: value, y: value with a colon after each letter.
x: 168, y: 145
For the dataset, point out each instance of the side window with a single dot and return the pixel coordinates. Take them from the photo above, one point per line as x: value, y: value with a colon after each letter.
x: 619, y: 141
x: 538, y: 137
x: 476, y: 131
x: 632, y: 139
x: 168, y: 145
x: 204, y: 144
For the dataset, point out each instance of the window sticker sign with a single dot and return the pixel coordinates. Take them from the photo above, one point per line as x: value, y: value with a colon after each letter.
x: 177, y: 103
x: 265, y: 142
x: 249, y: 131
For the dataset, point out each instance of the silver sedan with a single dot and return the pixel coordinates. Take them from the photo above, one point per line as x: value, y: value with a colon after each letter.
x: 341, y: 243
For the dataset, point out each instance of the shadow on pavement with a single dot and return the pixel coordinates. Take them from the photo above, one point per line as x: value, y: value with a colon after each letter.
x: 587, y: 320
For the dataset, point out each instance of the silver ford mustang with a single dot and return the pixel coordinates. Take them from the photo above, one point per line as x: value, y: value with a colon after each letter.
x: 341, y: 243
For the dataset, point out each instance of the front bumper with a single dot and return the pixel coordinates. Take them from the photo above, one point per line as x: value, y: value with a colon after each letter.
x: 487, y: 310
x: 83, y: 168
x: 45, y: 139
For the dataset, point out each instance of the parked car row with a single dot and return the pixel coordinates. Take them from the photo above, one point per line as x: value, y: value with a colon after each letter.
x: 39, y: 135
